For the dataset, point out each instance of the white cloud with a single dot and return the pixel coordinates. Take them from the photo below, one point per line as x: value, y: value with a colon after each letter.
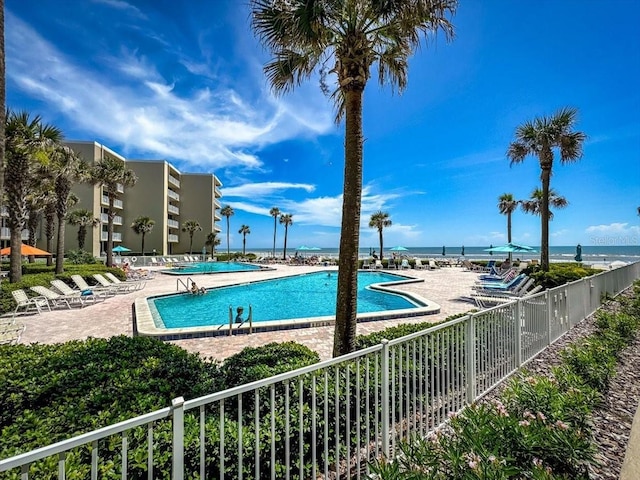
x: 146, y: 113
x: 614, y: 234
x: 253, y: 190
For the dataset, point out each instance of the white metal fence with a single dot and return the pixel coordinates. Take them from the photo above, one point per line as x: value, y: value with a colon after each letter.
x: 331, y: 419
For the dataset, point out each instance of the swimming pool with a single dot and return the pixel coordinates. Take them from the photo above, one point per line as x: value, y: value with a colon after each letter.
x: 211, y: 267
x: 288, y: 302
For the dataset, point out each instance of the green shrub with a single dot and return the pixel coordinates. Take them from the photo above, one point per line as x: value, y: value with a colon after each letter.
x: 559, y: 274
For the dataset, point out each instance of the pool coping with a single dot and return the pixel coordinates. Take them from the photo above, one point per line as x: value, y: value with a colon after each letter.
x: 145, y: 325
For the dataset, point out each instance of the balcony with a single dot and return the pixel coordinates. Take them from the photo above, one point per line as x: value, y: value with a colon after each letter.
x: 117, y: 237
x: 116, y: 203
x: 172, y: 238
x: 173, y: 223
x: 217, y: 192
x: 216, y: 217
x: 117, y: 220
x: 217, y: 204
x: 217, y: 229
x: 120, y: 188
x: 173, y: 195
x: 174, y: 181
x: 173, y: 209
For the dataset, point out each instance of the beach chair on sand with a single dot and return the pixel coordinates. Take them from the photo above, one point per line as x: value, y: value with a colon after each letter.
x: 33, y: 303
x: 433, y: 265
x: 419, y: 265
x: 405, y: 264
x: 89, y: 296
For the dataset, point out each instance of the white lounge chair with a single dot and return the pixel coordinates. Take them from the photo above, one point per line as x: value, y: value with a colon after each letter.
x: 366, y: 264
x: 55, y: 299
x: 82, y: 284
x: 378, y: 264
x: 134, y: 284
x: 433, y: 265
x: 33, y: 303
x: 66, y: 290
x: 419, y: 265
x: 404, y: 265
x: 117, y: 287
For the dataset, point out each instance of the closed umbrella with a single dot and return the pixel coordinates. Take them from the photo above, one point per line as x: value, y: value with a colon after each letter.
x: 578, y: 257
x: 444, y: 252
x: 490, y: 251
x: 462, y: 253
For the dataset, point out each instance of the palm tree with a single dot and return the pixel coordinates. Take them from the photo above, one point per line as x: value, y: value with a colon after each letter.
x: 191, y: 226
x: 274, y: 212
x: 111, y: 173
x: 351, y: 36
x: 212, y: 241
x: 380, y: 220
x: 244, y: 230
x: 83, y: 218
x: 3, y: 101
x: 28, y: 143
x: 141, y: 226
x: 535, y: 204
x: 539, y: 137
x: 286, y: 219
x: 65, y: 169
x: 228, y: 212
x: 507, y: 205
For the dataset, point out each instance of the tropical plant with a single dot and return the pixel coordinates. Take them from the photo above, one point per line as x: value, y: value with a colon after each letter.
x: 191, y: 227
x: 351, y: 36
x: 539, y: 137
x: 227, y: 211
x: 112, y: 173
x: 534, y: 204
x: 275, y: 213
x: 141, y: 226
x: 244, y: 230
x: 507, y: 205
x: 286, y: 219
x: 64, y: 168
x: 28, y: 142
x: 3, y: 102
x: 83, y: 218
x: 380, y: 220
x: 212, y: 241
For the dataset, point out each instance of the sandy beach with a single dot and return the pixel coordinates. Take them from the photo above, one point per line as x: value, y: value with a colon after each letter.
x: 446, y: 287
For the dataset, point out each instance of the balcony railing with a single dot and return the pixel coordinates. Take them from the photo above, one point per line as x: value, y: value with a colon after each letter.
x: 173, y: 223
x: 116, y: 203
x: 172, y: 238
x: 117, y: 220
x: 174, y: 181
x: 333, y: 418
x: 174, y: 195
x: 173, y: 209
x: 117, y: 237
x: 217, y: 192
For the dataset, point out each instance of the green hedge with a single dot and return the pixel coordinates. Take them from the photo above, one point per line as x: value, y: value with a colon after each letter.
x: 559, y: 274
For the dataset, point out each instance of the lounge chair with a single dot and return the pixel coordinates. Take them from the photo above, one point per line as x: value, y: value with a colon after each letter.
x: 500, y: 286
x: 89, y: 296
x: 116, y: 287
x: 187, y: 259
x: 404, y: 265
x: 419, y: 265
x: 54, y: 298
x: 154, y: 262
x: 29, y: 303
x: 378, y: 265
x: 82, y: 284
x: 366, y: 264
x: 471, y: 267
x: 10, y: 332
x: 433, y: 265
x: 134, y: 284
x: 391, y: 264
x: 490, y: 300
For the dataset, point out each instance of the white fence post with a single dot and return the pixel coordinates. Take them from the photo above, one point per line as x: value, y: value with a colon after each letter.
x: 518, y: 333
x: 177, y: 404
x: 471, y: 358
x: 549, y: 315
x: 385, y: 398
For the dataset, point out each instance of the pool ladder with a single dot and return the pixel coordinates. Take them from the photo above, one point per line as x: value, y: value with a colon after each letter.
x: 249, y: 319
x: 185, y: 285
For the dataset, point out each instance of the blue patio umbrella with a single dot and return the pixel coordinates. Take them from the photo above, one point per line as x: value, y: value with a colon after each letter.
x: 398, y: 249
x: 578, y: 257
x: 511, y: 248
x: 303, y: 247
x: 120, y: 249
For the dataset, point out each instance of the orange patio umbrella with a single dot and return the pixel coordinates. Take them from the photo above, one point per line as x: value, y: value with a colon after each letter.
x: 26, y: 250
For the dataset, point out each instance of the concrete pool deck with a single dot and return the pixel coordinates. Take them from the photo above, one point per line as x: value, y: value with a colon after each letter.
x: 445, y: 286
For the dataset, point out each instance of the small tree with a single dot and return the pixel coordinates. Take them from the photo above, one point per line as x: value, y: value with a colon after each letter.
x: 244, y: 230
x: 275, y: 213
x: 379, y: 220
x: 212, y: 241
x: 191, y: 226
x: 286, y: 219
x: 82, y: 218
x: 141, y: 226
x: 227, y: 211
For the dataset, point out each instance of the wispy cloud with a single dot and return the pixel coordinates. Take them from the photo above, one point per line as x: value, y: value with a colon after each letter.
x: 253, y: 190
x: 148, y: 114
x: 614, y: 234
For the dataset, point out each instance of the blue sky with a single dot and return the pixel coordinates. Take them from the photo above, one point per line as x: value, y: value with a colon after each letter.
x: 183, y: 81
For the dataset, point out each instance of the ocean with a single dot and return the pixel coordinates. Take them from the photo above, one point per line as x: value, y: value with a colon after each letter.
x: 604, y: 254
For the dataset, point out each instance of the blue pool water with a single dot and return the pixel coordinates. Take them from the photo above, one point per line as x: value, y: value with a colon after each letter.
x: 300, y: 296
x: 211, y: 267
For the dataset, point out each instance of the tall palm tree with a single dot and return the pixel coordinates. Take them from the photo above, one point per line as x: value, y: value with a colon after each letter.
x: 275, y: 213
x: 191, y: 227
x: 3, y: 101
x: 507, y: 205
x: 539, y: 137
x: 212, y: 241
x: 110, y: 173
x: 83, y: 218
x: 286, y: 219
x: 141, y: 226
x: 65, y: 168
x: 380, y: 220
x: 535, y: 203
x: 244, y: 230
x: 350, y: 35
x: 28, y: 142
x: 227, y: 211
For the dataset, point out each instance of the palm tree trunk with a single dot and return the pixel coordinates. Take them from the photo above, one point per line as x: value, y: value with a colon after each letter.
x: 544, y: 215
x: 110, y: 214
x: 15, y: 256
x: 190, y: 243
x: 275, y: 224
x: 381, y: 245
x: 60, y: 245
x: 347, y: 300
x: 142, y: 246
x: 509, y: 232
x: 244, y: 245
x: 286, y: 231
x: 227, y: 239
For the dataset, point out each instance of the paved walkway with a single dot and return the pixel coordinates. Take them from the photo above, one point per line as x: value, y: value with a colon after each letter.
x: 445, y: 286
